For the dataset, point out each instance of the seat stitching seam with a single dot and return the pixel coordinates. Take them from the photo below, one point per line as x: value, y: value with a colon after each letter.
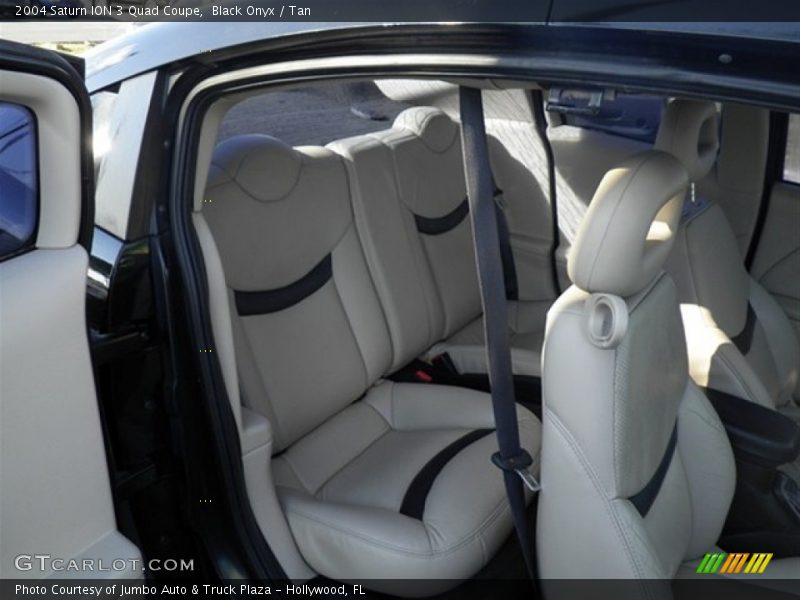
x: 418, y: 268
x: 347, y: 314
x: 392, y: 404
x: 731, y: 369
x: 647, y: 290
x: 775, y: 362
x: 303, y: 165
x: 248, y: 344
x: 494, y: 515
x: 684, y: 465
x: 594, y: 478
x: 368, y: 246
x: 611, y: 217
x: 692, y: 276
x: 614, y: 415
x: 777, y: 263
x: 358, y: 455
x: 705, y: 420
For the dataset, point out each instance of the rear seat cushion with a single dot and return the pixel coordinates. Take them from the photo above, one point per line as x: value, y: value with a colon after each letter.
x: 467, y: 348
x: 343, y: 486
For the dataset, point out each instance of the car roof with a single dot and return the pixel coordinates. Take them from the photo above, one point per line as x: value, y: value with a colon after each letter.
x: 159, y: 44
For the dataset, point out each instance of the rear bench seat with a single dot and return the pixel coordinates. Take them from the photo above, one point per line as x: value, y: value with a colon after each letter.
x: 353, y: 454
x: 412, y: 214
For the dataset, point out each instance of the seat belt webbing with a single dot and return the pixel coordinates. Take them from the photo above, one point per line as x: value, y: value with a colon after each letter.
x: 506, y: 253
x: 511, y: 458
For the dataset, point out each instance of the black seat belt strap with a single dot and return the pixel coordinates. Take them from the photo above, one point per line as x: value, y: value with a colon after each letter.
x: 511, y: 458
x: 506, y: 252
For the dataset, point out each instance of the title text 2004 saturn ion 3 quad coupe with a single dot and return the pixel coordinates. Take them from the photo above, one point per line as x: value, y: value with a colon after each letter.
x: 310, y: 249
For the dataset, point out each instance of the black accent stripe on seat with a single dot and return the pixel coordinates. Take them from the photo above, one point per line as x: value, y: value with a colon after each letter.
x: 443, y: 224
x: 417, y: 493
x: 744, y: 340
x: 269, y: 301
x: 645, y: 498
x: 439, y: 225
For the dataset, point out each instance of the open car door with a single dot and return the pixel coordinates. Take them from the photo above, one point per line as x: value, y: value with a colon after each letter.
x: 56, y: 509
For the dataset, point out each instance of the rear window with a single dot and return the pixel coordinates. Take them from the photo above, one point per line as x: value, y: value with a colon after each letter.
x: 634, y: 116
x: 791, y: 164
x: 313, y: 114
x: 18, y: 179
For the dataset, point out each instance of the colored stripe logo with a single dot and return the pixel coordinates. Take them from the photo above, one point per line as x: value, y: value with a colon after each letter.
x: 736, y: 562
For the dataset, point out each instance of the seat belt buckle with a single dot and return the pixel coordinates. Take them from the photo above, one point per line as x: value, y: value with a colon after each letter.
x: 529, y: 480
x: 519, y: 464
x: 445, y: 362
x: 499, y: 198
x: 423, y: 376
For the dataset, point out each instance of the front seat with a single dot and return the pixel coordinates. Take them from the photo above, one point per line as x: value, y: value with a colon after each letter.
x: 739, y: 339
x: 637, y: 471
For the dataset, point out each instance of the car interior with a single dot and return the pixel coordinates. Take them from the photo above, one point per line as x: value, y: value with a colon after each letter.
x: 631, y: 263
x: 652, y: 279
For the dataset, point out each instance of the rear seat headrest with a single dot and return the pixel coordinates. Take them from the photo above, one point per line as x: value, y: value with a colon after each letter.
x: 434, y: 127
x: 629, y: 228
x: 264, y: 167
x: 689, y: 131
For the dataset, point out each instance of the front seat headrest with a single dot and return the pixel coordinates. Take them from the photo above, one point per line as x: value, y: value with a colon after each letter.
x: 629, y: 228
x: 689, y: 130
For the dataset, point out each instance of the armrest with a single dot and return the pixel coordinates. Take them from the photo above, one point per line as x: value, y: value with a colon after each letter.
x: 758, y: 435
x: 256, y: 431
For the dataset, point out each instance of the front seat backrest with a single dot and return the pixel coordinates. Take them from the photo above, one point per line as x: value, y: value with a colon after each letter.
x: 738, y: 338
x: 633, y: 456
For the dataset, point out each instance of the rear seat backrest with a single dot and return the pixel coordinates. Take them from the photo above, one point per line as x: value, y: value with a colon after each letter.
x: 426, y: 146
x: 394, y: 252
x: 411, y: 205
x: 309, y: 332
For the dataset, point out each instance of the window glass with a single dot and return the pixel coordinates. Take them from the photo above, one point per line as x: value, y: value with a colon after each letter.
x: 119, y: 119
x: 18, y: 178
x: 634, y: 116
x: 314, y: 114
x: 791, y: 164
x: 102, y: 109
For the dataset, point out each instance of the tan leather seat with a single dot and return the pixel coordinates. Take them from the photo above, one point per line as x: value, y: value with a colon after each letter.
x: 379, y: 481
x: 739, y: 339
x: 634, y: 458
x: 412, y: 214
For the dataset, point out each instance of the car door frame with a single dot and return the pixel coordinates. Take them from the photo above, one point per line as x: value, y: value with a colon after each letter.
x: 68, y: 74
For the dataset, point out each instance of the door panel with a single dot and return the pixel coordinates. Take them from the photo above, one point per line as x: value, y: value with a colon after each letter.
x: 777, y: 261
x: 55, y: 494
x: 55, y: 490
